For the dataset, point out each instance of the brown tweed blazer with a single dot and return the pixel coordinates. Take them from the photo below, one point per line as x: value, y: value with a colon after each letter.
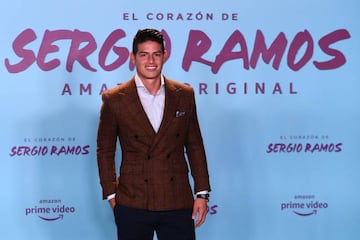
x: 154, y: 167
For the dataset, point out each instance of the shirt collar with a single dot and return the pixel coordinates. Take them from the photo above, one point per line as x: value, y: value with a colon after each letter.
x: 140, y: 84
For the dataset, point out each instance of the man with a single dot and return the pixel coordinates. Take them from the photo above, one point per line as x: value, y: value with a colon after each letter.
x: 154, y: 119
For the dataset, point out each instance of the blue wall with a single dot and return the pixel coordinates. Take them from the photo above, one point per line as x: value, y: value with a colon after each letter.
x: 276, y: 86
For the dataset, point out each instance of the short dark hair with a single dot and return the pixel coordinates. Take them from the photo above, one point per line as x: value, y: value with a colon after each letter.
x: 147, y: 34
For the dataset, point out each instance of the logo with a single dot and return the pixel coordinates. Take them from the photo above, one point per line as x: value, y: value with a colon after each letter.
x: 304, y: 144
x: 49, y: 147
x: 50, y: 210
x: 304, y: 205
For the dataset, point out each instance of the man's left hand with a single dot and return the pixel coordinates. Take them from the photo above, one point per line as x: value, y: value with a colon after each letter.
x: 199, y: 211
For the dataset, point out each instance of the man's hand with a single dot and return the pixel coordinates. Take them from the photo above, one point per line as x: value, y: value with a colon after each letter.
x: 199, y: 211
x: 112, y: 203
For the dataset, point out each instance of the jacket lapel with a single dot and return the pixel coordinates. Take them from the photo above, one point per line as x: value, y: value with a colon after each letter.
x: 137, y: 112
x: 135, y: 109
x: 171, y: 104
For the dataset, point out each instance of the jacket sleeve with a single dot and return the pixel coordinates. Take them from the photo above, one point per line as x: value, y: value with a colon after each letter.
x: 195, y: 151
x: 106, y: 147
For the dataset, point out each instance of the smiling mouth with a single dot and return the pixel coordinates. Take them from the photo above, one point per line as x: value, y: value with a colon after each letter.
x: 151, y: 68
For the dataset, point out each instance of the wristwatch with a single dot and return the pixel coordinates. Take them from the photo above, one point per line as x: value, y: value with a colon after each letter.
x: 203, y: 196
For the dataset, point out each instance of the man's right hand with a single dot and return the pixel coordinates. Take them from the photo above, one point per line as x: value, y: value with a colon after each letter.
x: 112, y: 203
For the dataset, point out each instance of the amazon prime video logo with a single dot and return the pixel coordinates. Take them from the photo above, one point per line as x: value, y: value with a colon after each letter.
x: 304, y: 205
x: 50, y: 210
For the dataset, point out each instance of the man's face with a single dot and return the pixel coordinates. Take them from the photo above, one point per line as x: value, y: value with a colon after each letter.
x: 149, y: 60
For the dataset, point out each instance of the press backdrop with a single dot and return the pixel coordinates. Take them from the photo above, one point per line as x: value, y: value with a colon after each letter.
x: 277, y: 91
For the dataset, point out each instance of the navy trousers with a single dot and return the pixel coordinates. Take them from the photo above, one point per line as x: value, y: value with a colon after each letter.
x: 138, y: 224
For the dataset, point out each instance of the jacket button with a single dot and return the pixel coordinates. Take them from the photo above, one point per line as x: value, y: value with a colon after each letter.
x: 168, y: 156
x: 146, y: 180
x: 171, y: 179
x: 148, y: 157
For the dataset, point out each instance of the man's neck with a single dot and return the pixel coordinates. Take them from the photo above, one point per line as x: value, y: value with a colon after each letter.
x: 152, y: 85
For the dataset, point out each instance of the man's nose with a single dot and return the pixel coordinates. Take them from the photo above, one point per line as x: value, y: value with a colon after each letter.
x: 151, y: 58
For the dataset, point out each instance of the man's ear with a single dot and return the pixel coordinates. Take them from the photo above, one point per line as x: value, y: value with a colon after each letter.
x: 166, y: 55
x: 132, y: 58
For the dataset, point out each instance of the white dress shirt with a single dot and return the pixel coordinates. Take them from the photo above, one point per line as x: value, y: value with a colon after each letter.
x: 152, y: 104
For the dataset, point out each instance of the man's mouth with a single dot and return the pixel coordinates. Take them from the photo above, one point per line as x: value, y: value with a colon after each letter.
x: 150, y: 67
